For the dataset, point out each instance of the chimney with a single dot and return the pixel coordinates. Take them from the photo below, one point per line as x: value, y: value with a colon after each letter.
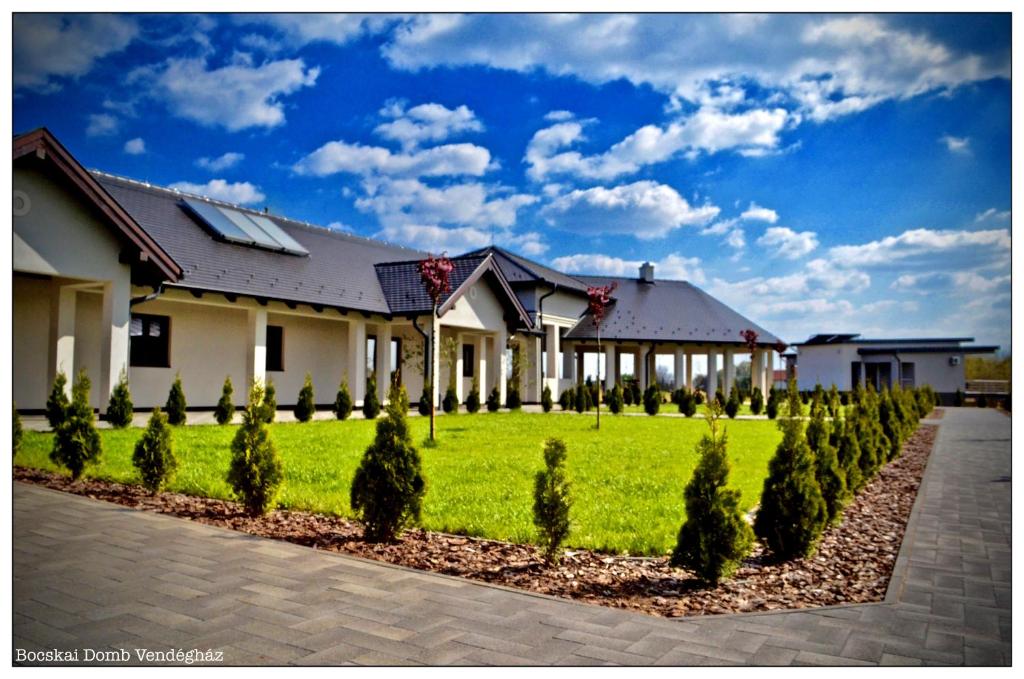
x: 647, y: 272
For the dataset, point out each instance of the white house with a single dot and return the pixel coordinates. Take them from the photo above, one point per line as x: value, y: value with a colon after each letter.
x: 112, y: 275
x: 847, y: 360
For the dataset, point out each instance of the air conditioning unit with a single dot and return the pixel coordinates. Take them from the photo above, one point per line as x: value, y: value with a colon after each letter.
x: 954, y: 360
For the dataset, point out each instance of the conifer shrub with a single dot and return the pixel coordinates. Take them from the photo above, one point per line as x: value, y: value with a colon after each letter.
x: 891, y: 424
x: 494, y: 400
x: 793, y: 512
x: 627, y: 393
x: 844, y: 398
x: 343, y: 401
x: 580, y: 398
x: 634, y: 387
x: 652, y: 400
x: 175, y: 406
x: 715, y: 537
x: 688, y: 403
x: 771, y: 408
x: 17, y: 433
x: 388, y: 487
x: 305, y: 406
x: 269, y: 402
x: 958, y: 398
x: 57, y: 403
x: 154, y: 454
x: 757, y: 401
x: 833, y: 401
x: 848, y: 453
x: 371, y: 402
x: 513, y: 400
x: 255, y: 473
x: 545, y: 399
x: 450, y: 402
x: 225, y: 409
x: 614, y: 399
x: 874, y: 444
x: 424, y: 403
x: 473, y: 399
x: 76, y: 442
x: 676, y: 397
x: 698, y: 397
x: 828, y: 471
x: 552, y: 501
x: 720, y: 398
x: 119, y: 408
x: 566, y: 400
x: 732, y: 405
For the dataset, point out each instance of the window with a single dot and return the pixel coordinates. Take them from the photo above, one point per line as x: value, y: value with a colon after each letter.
x: 907, y: 375
x: 854, y: 374
x: 149, y: 341
x: 371, y: 353
x: 275, y: 348
x: 467, y: 361
x: 396, y: 360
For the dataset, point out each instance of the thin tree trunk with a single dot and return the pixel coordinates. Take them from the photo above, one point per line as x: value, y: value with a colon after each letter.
x: 599, y: 383
x: 433, y: 396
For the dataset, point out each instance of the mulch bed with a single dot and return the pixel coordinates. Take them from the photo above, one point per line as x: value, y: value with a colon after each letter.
x: 852, y: 565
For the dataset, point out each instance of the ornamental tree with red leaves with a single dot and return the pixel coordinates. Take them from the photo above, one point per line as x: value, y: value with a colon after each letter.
x: 435, y: 274
x: 599, y: 299
x: 750, y: 337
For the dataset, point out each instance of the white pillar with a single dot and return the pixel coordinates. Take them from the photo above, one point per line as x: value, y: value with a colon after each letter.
x: 435, y: 364
x: 756, y: 371
x: 677, y: 372
x: 712, y: 381
x: 581, y: 368
x: 457, y: 367
x: 480, y: 354
x: 569, y: 362
x: 62, y: 334
x: 610, y: 354
x: 356, y: 362
x: 729, y: 374
x: 383, y: 366
x: 117, y: 297
x: 534, y: 355
x: 689, y: 371
x: 500, y: 366
x: 553, y: 349
x: 256, y: 348
x: 769, y: 370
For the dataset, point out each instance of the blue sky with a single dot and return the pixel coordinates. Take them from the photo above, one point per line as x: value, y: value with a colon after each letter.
x: 817, y: 172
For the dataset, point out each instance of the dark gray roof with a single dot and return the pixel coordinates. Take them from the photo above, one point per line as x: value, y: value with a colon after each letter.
x: 518, y: 269
x: 930, y: 349
x: 339, y: 272
x: 854, y: 338
x: 673, y: 311
x: 404, y: 290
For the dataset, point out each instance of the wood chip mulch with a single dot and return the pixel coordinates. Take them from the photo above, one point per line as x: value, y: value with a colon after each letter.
x: 852, y: 565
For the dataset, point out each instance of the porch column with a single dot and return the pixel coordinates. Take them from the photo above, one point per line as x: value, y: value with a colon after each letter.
x: 712, y: 380
x: 580, y: 374
x: 480, y: 354
x: 256, y: 348
x: 62, y: 334
x: 639, y: 367
x: 533, y: 384
x: 552, y: 340
x: 729, y: 373
x: 356, y: 359
x: 610, y: 355
x: 756, y: 373
x: 459, y: 395
x: 383, y: 366
x: 689, y: 371
x: 435, y: 364
x: 677, y: 372
x: 500, y: 366
x: 117, y: 296
x: 769, y: 370
x: 569, y: 362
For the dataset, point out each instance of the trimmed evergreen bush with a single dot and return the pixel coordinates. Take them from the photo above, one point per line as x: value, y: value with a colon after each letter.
x: 614, y: 399
x: 343, y: 401
x: 424, y: 404
x: 828, y: 471
x: 450, y: 402
x: 891, y: 424
x: 305, y: 406
x: 551, y: 500
x: 154, y: 455
x: 580, y: 397
x: 16, y: 430
x: 76, y: 442
x: 588, y: 396
x: 771, y: 409
x: 720, y: 398
x: 387, y: 490
x: 119, y: 408
x: 513, y: 401
x: 175, y: 406
x: 255, y: 473
x: 545, y: 399
x: 225, y: 409
x: 716, y: 537
x: 371, y: 402
x: 473, y: 399
x: 269, y: 402
x: 688, y: 403
x: 634, y: 387
x: 793, y: 512
x: 494, y: 400
x: 874, y: 445
x: 833, y: 401
x: 848, y: 453
x: 627, y: 393
x: 57, y: 403
x: 732, y: 406
x: 652, y: 400
x: 698, y: 397
x: 564, y: 401
x: 757, y: 401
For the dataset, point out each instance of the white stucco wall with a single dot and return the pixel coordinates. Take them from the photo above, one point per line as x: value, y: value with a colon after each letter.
x: 934, y: 369
x: 478, y: 309
x: 826, y: 365
x: 31, y: 329
x: 831, y: 363
x: 89, y: 339
x: 313, y: 345
x: 564, y: 306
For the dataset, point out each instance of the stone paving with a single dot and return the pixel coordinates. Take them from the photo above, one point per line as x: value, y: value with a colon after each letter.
x: 94, y: 575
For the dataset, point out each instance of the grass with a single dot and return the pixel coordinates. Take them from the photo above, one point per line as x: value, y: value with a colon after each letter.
x: 627, y: 479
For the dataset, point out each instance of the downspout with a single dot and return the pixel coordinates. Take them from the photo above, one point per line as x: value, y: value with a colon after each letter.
x: 427, y: 363
x: 147, y: 298
x: 540, y: 321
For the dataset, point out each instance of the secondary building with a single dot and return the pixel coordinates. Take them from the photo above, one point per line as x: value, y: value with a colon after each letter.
x: 114, y: 276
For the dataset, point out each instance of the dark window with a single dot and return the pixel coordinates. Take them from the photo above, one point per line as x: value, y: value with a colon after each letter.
x: 467, y: 360
x: 907, y: 375
x: 150, y: 341
x: 855, y: 374
x: 275, y: 348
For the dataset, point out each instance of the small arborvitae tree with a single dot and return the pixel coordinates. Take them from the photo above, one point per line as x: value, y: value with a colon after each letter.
x: 225, y: 409
x: 255, y: 473
x: 891, y: 425
x: 771, y: 409
x: 473, y: 400
x: 757, y: 401
x: 828, y: 471
x: 588, y: 396
x: 513, y: 401
x: 958, y: 398
x: 546, y: 401
x: 57, y: 404
x: 849, y: 454
x: 614, y: 399
x: 493, y: 400
x: 564, y: 402
x: 76, y: 441
x: 305, y: 406
x: 580, y: 397
x: 716, y: 537
x: 688, y: 405
x: 154, y: 455
x: 551, y: 500
x: 16, y: 430
x: 175, y: 406
x: 119, y: 408
x: 269, y: 402
x: 627, y: 394
x: 450, y: 402
x: 371, y: 402
x: 343, y: 401
x: 652, y: 400
x: 732, y: 406
x: 793, y: 512
x: 424, y: 404
x: 387, y: 490
x: 634, y: 386
x: 833, y: 402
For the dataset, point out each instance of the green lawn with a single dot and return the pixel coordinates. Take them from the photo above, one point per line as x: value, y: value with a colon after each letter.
x: 627, y: 479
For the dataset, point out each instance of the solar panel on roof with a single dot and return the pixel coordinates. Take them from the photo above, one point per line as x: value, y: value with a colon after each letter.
x: 220, y: 224
x: 245, y: 229
x: 278, y: 234
x: 257, y: 234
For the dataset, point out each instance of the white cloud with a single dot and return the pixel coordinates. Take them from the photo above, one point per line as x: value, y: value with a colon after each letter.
x: 303, y: 29
x: 135, y: 147
x: 917, y: 243
x: 240, y: 193
x: 760, y: 214
x: 49, y: 47
x: 992, y: 214
x: 719, y: 228
x: 969, y: 282
x: 671, y: 267
x: 437, y: 239
x: 410, y: 201
x: 102, y: 125
x: 960, y: 145
x: 645, y: 209
x: 446, y: 160
x: 787, y: 243
x: 236, y: 96
x: 221, y: 162
x: 736, y: 239
x: 558, y: 116
x: 340, y: 226
x: 425, y: 122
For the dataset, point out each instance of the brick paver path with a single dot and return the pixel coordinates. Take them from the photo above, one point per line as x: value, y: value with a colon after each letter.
x: 95, y: 575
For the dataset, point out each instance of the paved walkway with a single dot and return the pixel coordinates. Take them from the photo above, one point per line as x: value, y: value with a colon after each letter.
x: 94, y: 575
